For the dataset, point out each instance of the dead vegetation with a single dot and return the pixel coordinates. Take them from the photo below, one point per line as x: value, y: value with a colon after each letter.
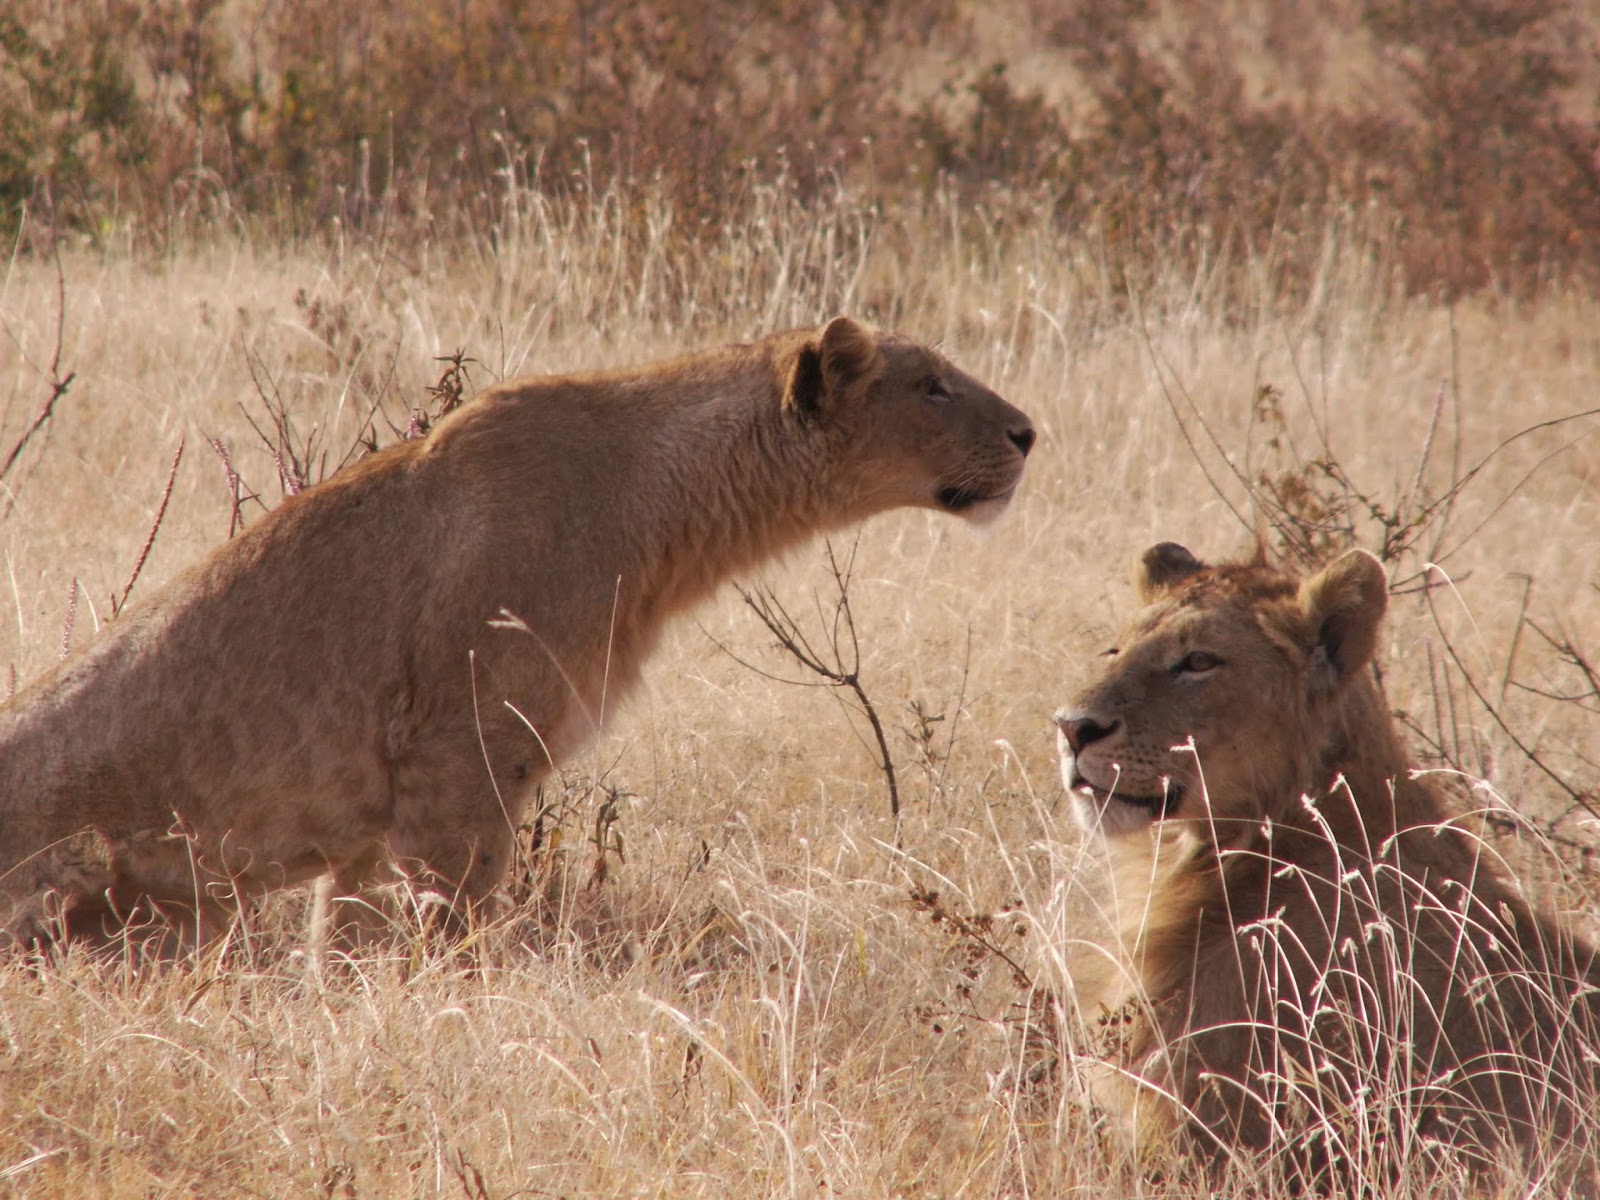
x: 1457, y: 140
x: 733, y: 965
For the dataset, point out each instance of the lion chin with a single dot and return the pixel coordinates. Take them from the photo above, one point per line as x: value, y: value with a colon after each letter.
x: 979, y: 511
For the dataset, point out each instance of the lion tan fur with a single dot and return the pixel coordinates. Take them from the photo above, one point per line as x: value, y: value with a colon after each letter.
x: 383, y: 668
x: 1313, y: 950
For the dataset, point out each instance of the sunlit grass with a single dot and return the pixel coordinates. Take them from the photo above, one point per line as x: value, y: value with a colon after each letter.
x: 747, y: 1001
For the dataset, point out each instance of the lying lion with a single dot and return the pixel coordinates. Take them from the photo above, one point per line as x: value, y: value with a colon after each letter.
x: 1314, y: 953
x: 383, y: 669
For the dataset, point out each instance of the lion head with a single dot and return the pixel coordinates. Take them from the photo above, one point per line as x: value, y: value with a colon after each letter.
x: 1219, y: 700
x: 906, y: 426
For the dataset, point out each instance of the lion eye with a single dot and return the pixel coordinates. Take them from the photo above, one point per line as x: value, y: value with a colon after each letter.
x: 1197, y: 662
x: 1112, y: 652
x: 935, y: 389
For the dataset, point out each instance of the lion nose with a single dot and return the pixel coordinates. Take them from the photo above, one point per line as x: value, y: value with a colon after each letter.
x: 1022, y: 438
x: 1081, y: 730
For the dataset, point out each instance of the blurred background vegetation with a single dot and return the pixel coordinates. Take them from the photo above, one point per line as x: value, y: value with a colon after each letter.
x: 1458, y: 140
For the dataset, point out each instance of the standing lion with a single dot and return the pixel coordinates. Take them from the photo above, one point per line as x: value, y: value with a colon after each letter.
x: 1314, y: 953
x: 383, y: 669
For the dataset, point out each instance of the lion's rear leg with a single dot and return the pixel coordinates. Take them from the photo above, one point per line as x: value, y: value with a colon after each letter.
x: 45, y: 895
x: 143, y: 893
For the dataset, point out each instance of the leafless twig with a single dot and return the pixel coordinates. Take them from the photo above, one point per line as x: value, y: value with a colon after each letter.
x: 235, y: 517
x: 294, y: 458
x: 1579, y: 799
x: 155, y: 528
x: 71, y: 622
x: 839, y: 666
x: 1588, y: 696
x: 1314, y: 506
x: 59, y: 383
x: 977, y: 929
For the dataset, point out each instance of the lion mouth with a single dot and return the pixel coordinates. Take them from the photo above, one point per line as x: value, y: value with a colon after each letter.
x: 1158, y: 806
x: 959, y: 497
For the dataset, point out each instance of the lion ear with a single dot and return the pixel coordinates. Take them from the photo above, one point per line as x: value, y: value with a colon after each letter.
x: 851, y: 361
x: 803, y: 393
x: 1162, y: 567
x: 1344, y: 605
x: 834, y: 369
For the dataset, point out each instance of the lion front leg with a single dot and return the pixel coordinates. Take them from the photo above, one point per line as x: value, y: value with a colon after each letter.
x: 416, y: 879
x: 453, y: 829
x: 452, y: 877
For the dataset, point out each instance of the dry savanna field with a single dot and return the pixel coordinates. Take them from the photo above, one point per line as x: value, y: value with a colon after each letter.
x: 729, y: 972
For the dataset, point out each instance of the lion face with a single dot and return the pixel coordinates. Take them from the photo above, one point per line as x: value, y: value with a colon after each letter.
x: 1221, y: 695
x: 966, y: 446
x: 914, y: 429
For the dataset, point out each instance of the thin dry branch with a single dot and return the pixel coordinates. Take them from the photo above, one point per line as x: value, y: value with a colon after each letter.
x: 977, y: 929
x: 155, y: 528
x: 231, y: 475
x: 1584, y: 695
x: 829, y: 666
x: 1443, y: 555
x: 295, y: 459
x: 71, y: 622
x: 448, y: 393
x: 1579, y: 798
x: 1458, y: 449
x: 58, y: 389
x: 58, y: 383
x: 1162, y: 367
x: 1415, y: 489
x: 1571, y: 654
x: 300, y: 461
x: 1307, y: 518
x: 935, y: 761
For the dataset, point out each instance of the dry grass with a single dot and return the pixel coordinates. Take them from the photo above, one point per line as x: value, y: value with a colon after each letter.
x: 746, y: 1000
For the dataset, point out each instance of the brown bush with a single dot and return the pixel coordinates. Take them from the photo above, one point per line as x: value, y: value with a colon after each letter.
x: 1461, y: 137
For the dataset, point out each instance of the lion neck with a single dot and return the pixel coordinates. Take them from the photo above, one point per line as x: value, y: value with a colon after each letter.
x: 773, y: 484
x: 1365, y: 786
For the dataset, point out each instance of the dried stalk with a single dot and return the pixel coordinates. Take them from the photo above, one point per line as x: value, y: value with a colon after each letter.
x: 839, y: 666
x: 155, y: 528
